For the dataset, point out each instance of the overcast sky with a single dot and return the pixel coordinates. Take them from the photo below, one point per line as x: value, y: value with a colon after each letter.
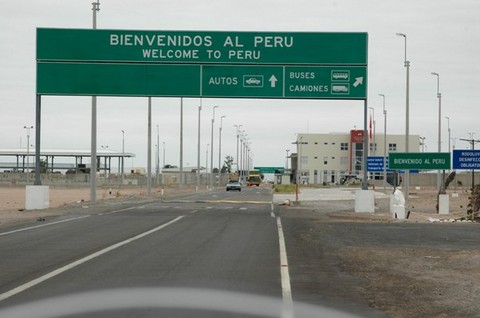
x: 443, y: 36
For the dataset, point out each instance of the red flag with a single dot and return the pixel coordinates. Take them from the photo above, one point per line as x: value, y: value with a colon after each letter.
x: 371, y: 127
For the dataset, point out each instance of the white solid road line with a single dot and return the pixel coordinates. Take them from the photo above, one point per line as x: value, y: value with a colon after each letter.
x: 285, y: 276
x: 42, y: 225
x: 67, y: 267
x: 68, y: 220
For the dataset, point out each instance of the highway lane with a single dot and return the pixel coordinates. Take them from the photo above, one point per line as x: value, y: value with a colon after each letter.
x: 219, y: 240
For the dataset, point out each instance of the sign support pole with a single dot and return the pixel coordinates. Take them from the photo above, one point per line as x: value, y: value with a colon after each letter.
x: 149, y: 149
x: 93, y: 145
x: 365, y: 147
x: 38, y: 116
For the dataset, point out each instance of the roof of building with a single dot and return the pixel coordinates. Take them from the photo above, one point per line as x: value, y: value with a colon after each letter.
x: 64, y: 153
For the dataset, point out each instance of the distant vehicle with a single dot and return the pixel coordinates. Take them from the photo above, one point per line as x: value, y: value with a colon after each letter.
x: 254, y: 178
x: 233, y: 176
x: 253, y: 80
x: 350, y: 179
x: 233, y: 185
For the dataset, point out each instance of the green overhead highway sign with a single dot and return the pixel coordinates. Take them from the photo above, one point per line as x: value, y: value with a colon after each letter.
x: 326, y: 82
x: 419, y: 160
x: 270, y: 169
x: 243, y: 81
x: 202, y: 64
x: 284, y: 81
x: 201, y: 47
x: 118, y: 79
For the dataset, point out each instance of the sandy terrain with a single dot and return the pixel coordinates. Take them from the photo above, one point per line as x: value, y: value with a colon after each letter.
x: 12, y: 200
x: 12, y: 203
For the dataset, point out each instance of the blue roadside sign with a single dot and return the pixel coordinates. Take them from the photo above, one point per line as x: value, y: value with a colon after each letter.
x: 375, y: 163
x: 466, y: 159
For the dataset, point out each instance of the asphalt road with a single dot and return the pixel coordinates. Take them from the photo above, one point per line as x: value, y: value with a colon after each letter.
x: 215, y: 240
x: 218, y: 249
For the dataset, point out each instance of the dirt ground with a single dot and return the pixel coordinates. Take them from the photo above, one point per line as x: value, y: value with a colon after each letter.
x: 12, y: 200
x: 425, y: 266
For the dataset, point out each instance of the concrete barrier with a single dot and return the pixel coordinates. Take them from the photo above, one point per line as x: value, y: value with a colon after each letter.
x: 37, y: 197
x: 443, y: 204
x: 365, y: 201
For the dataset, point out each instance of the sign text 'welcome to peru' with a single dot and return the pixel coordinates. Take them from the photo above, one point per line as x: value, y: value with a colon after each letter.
x: 202, y: 63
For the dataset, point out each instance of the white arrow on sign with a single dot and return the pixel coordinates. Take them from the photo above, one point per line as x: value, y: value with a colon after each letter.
x: 273, y: 80
x: 358, y: 81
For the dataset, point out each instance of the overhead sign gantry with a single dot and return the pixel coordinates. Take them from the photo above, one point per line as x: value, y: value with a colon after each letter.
x: 152, y: 63
x: 202, y: 64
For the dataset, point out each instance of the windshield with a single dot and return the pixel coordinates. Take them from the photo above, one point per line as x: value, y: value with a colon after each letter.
x: 239, y: 158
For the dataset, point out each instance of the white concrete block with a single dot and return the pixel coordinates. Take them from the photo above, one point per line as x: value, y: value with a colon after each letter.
x: 365, y: 201
x: 443, y: 204
x: 37, y: 197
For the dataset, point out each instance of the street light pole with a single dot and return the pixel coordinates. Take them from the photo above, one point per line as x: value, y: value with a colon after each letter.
x: 211, y: 145
x: 157, y: 164
x: 220, y: 149
x: 149, y: 147
x: 384, y: 144
x: 439, y: 96
x: 206, y: 158
x: 407, y: 106
x: 374, y: 147
x: 28, y: 151
x: 244, y: 156
x: 238, y: 136
x: 286, y: 161
x: 240, y: 171
x: 422, y: 143
x: 198, y: 149
x: 449, y: 137
x: 181, y: 144
x: 163, y: 161
x: 123, y: 157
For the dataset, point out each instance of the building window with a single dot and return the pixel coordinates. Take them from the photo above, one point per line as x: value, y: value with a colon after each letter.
x: 316, y: 143
x: 325, y: 143
x: 392, y: 147
x: 373, y: 147
x: 344, y: 146
x: 325, y: 160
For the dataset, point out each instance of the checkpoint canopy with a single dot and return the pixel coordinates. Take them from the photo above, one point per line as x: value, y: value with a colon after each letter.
x: 202, y: 64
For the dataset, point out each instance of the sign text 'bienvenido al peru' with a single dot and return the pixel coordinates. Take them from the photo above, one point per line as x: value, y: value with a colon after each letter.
x: 202, y: 63
x: 419, y: 160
